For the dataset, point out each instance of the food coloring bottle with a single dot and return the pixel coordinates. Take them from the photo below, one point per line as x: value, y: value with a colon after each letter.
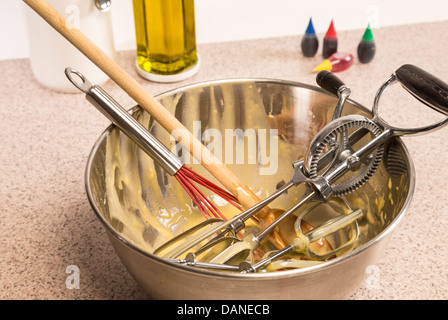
x: 310, y: 43
x: 337, y: 62
x: 366, y: 47
x: 330, y: 42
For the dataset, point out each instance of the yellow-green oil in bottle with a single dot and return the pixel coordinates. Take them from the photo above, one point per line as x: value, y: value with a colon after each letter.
x: 166, y: 35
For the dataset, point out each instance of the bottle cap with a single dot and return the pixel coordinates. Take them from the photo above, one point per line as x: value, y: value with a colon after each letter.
x: 368, y: 36
x: 331, y: 32
x: 325, y: 65
x: 310, y: 28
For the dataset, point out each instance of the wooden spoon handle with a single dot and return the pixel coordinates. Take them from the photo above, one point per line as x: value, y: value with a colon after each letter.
x: 245, y: 196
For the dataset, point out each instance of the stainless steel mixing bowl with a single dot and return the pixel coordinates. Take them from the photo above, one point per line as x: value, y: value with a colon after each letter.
x: 297, y: 111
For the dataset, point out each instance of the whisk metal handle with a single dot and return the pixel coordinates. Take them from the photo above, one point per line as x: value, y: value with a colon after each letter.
x: 425, y: 87
x: 112, y: 110
x: 328, y: 81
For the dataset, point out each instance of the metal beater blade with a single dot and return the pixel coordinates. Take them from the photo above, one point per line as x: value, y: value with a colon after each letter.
x: 191, y: 261
x: 300, y: 244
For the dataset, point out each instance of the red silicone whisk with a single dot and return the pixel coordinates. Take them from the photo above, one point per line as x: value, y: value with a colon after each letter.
x: 188, y: 179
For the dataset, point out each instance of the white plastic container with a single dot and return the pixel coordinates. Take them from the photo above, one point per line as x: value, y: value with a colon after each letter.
x: 50, y: 53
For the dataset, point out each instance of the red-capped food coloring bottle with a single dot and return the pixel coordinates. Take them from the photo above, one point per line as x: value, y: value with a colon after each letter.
x: 337, y: 62
x: 330, y: 45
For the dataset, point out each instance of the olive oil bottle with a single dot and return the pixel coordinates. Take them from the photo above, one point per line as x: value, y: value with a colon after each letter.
x: 166, y: 39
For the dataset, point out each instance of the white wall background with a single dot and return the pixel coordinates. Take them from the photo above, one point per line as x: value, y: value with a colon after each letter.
x: 228, y: 20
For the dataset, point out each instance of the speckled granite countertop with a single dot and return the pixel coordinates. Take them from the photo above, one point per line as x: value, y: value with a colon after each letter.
x: 47, y: 224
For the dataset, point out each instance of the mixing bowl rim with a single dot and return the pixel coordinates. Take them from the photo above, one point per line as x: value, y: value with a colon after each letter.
x: 276, y: 275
